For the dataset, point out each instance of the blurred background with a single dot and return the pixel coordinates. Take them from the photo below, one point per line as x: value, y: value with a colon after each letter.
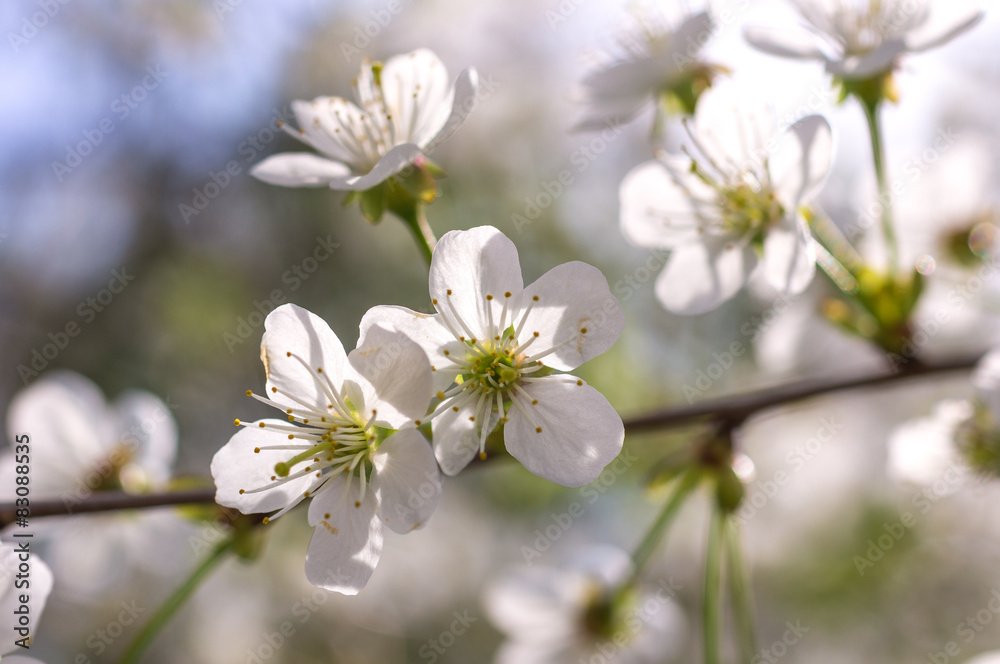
x: 128, y: 128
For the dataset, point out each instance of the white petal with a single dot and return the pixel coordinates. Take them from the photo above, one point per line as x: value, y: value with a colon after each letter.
x: 544, y: 651
x: 425, y: 330
x: 699, y: 277
x: 391, y: 163
x: 40, y: 577
x: 325, y: 124
x: 537, y: 605
x: 663, y: 203
x: 785, y: 42
x: 580, y: 431
x: 986, y: 380
x: 572, y: 297
x: 236, y: 466
x: 946, y: 21
x: 471, y: 265
x: 71, y: 427
x: 456, y: 438
x: 991, y: 657
x: 922, y: 450
x: 407, y: 480
x: 417, y: 95
x: 394, y: 377
x: 299, y: 169
x: 608, y: 564
x: 465, y: 99
x: 148, y: 428
x: 347, y: 542
x: 870, y: 64
x: 292, y: 329
x: 803, y: 160
x: 789, y: 255
x: 734, y: 128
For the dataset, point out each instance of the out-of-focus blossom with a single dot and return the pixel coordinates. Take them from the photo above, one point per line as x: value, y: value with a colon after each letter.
x: 406, y: 107
x: 731, y: 204
x: 863, y: 39
x: 493, y: 345
x: 349, y: 443
x: 22, y: 574
x: 575, y: 613
x: 655, y: 59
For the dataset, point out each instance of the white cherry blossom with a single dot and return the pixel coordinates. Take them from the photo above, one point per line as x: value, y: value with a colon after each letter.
x: 348, y: 442
x: 731, y: 203
x: 39, y: 580
x: 861, y: 39
x: 405, y: 108
x: 493, y: 344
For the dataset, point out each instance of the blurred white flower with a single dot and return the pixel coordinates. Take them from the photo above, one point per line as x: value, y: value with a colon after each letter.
x: 486, y: 344
x: 991, y: 657
x: 573, y: 613
x: 15, y: 583
x: 733, y: 201
x: 958, y: 434
x: 654, y: 59
x: 407, y: 107
x: 862, y: 39
x: 79, y: 445
x: 349, y: 443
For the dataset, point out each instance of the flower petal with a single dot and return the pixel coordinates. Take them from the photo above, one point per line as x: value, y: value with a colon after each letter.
x: 347, y: 543
x: 986, y: 380
x: 581, y: 432
x: 328, y: 124
x: 785, y: 42
x: 699, y: 277
x: 789, y: 255
x: 873, y: 63
x: 407, y: 480
x: 389, y: 164
x: 456, y: 438
x: 417, y: 95
x: 148, y: 428
x: 802, y: 161
x: 576, y: 311
x: 946, y: 21
x: 734, y: 129
x: 292, y: 329
x: 471, y: 265
x: 537, y: 605
x: 465, y: 99
x: 663, y: 203
x: 426, y: 330
x: 299, y: 169
x: 393, y: 375
x: 238, y: 467
x: 921, y: 450
x: 41, y: 585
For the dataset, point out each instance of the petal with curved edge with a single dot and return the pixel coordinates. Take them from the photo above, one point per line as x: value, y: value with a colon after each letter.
x: 663, y: 204
x: 699, y: 277
x: 457, y: 436
x: 565, y: 431
x: 785, y: 42
x: 393, y: 375
x: 537, y: 605
x: 407, y: 480
x: 986, y: 380
x: 945, y: 22
x: 426, y: 330
x: 238, y: 467
x: 391, y: 163
x: 802, y: 161
x: 68, y: 412
x: 325, y: 124
x: 859, y: 67
x: 922, y: 450
x: 734, y: 127
x: 313, y: 345
x: 148, y: 429
x: 417, y: 95
x: 347, y: 543
x: 299, y: 169
x: 465, y: 99
x: 470, y: 265
x: 10, y: 597
x: 575, y: 312
x: 789, y: 255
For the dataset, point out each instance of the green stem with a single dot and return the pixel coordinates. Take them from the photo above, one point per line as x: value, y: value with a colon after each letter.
x: 415, y: 219
x: 645, y: 550
x: 167, y: 610
x: 739, y: 586
x: 713, y: 587
x: 871, y: 106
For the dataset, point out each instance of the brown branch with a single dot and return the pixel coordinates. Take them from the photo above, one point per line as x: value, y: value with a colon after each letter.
x: 727, y: 411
